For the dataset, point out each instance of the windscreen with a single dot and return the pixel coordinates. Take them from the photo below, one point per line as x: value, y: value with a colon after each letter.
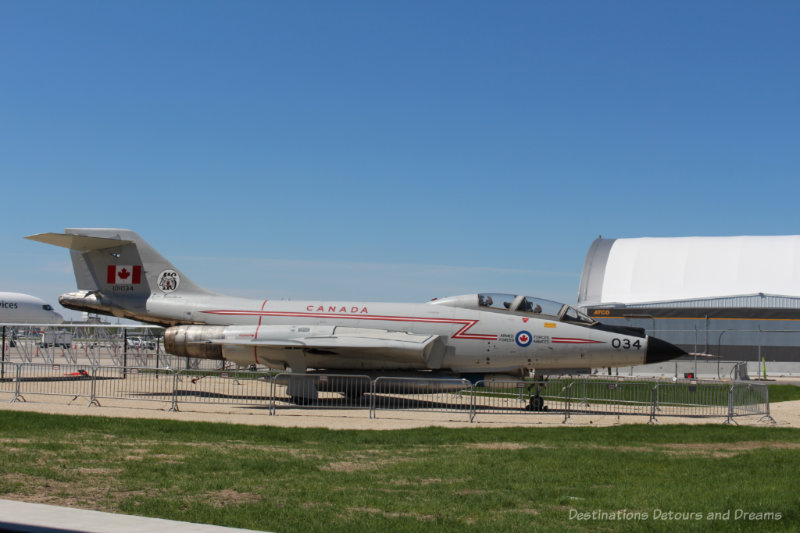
x: 539, y: 306
x: 498, y: 301
x: 533, y: 305
x: 573, y: 315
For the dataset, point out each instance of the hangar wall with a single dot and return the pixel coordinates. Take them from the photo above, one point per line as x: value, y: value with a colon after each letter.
x: 734, y: 297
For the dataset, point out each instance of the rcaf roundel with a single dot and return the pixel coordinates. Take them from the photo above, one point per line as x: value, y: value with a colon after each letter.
x: 524, y: 339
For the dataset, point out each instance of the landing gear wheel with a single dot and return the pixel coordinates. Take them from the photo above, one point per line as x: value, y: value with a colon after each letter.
x: 536, y: 404
x: 301, y: 400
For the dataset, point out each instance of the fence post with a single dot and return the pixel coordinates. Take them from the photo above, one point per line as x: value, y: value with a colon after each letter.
x: 18, y: 380
x: 656, y: 399
x: 3, y: 363
x: 174, y: 406
x: 372, y: 398
x: 585, y: 394
x: 93, y: 394
x: 653, y: 404
x: 730, y: 405
x: 125, y: 353
x: 767, y: 417
x: 567, y: 401
x: 272, y: 380
x: 472, y: 413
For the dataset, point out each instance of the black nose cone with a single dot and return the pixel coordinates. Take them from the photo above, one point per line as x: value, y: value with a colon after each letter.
x: 658, y: 351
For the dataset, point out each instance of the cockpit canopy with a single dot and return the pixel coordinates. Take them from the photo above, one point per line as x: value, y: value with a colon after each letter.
x: 525, y: 305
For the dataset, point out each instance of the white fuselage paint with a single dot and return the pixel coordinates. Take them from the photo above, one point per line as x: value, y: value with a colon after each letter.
x: 17, y: 308
x: 475, y: 340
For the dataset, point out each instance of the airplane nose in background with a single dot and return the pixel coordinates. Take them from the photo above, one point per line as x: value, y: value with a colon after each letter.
x: 659, y: 351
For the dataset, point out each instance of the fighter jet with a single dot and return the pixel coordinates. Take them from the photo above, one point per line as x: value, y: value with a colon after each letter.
x: 475, y: 335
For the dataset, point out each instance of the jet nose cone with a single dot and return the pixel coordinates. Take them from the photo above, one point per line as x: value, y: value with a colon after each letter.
x: 658, y: 351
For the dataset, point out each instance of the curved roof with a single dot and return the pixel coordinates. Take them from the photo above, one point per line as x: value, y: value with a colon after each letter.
x: 649, y: 270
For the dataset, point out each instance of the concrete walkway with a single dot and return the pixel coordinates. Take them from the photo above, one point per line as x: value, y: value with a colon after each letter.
x: 39, y: 518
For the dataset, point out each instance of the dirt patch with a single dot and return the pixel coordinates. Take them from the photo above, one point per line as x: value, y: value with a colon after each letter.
x: 300, y: 453
x: 712, y: 449
x: 366, y: 460
x: 227, y: 497
x: 504, y: 446
x: 348, y: 466
x: 748, y: 445
x: 387, y: 514
x: 133, y: 458
x: 98, y: 471
x: 532, y: 512
x: 38, y: 489
x: 725, y: 450
x: 709, y: 449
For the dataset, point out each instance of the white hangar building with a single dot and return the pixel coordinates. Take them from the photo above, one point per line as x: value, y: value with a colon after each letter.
x: 735, y: 297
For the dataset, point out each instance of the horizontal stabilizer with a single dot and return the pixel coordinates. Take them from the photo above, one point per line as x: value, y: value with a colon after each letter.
x: 81, y: 243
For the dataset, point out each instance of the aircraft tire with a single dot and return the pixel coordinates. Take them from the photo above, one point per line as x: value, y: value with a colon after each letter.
x: 301, y: 400
x: 354, y: 396
x: 536, y: 403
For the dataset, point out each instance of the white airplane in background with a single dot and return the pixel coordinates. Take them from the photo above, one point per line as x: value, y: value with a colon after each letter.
x: 17, y: 308
x: 475, y: 335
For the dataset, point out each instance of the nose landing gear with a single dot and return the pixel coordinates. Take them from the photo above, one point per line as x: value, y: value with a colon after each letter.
x: 536, y: 402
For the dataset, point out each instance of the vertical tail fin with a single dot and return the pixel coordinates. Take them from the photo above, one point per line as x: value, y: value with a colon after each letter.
x: 117, y: 271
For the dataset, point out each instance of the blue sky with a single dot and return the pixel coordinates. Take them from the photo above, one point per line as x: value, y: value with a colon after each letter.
x: 392, y: 150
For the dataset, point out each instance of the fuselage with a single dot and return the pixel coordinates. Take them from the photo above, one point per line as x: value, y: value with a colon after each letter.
x: 474, y: 339
x: 17, y: 308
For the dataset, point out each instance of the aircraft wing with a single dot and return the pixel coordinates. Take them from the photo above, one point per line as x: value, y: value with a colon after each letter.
x: 355, y: 343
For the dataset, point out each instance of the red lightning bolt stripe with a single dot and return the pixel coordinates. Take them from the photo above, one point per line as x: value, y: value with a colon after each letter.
x: 255, y: 348
x: 460, y: 334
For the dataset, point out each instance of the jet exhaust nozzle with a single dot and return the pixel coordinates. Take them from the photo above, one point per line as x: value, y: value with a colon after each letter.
x: 87, y: 301
x: 193, y: 341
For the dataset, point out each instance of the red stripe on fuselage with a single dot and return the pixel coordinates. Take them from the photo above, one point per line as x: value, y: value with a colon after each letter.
x: 460, y: 334
x: 561, y: 340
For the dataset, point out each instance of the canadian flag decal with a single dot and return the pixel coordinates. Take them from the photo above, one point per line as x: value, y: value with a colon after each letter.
x: 124, y: 274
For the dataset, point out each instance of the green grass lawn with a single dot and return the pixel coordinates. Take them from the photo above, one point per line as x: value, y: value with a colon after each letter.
x: 433, y: 479
x: 783, y: 393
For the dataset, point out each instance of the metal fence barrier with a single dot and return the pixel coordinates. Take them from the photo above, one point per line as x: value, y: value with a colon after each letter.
x: 564, y: 397
x: 237, y: 387
x: 320, y: 391
x: 750, y: 399
x: 406, y: 394
x: 92, y: 345
x: 692, y: 399
x: 125, y: 383
x: 51, y: 380
x: 519, y: 397
x: 621, y: 397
